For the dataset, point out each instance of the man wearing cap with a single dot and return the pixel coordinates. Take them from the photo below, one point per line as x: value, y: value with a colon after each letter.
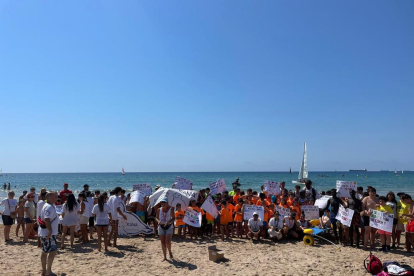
x: 255, y: 227
x: 65, y: 192
x: 275, y: 227
x: 308, y: 188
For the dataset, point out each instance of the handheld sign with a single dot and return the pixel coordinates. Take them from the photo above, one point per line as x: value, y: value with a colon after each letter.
x: 133, y: 225
x: 188, y: 193
x: 283, y: 212
x: 272, y: 187
x: 192, y: 218
x: 381, y: 220
x: 344, y: 187
x: 217, y: 187
x: 345, y: 215
x: 143, y: 187
x: 183, y: 184
x: 311, y: 211
x: 322, y: 202
x: 155, y: 196
x: 137, y: 196
x: 210, y: 207
x: 58, y: 209
x: 250, y: 209
x: 174, y: 197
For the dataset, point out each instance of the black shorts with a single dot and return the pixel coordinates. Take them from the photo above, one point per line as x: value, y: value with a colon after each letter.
x: 91, y: 222
x: 7, y: 220
x: 395, y: 221
x: 366, y: 220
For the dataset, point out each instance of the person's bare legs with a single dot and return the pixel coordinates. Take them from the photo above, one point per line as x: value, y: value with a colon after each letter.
x: 64, y: 230
x: 43, y: 259
x: 50, y: 258
x: 115, y: 235
x: 366, y: 236
x: 72, y: 235
x: 163, y: 245
x: 27, y: 232
x: 105, y: 236
x: 373, y: 231
x: 168, y: 244
x: 99, y: 232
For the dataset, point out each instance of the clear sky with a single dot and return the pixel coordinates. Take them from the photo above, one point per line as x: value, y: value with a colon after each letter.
x: 94, y: 86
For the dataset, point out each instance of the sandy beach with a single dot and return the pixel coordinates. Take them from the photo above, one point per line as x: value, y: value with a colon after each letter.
x: 142, y: 256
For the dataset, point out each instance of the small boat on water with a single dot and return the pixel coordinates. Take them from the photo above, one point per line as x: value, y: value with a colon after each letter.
x: 123, y: 171
x: 303, y: 172
x: 364, y: 170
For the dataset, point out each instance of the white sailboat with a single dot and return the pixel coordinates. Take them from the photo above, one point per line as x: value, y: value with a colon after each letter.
x: 402, y: 171
x: 395, y: 170
x: 1, y: 172
x: 303, y: 172
x: 123, y: 171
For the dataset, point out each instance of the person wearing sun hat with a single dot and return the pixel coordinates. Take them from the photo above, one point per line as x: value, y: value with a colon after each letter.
x: 165, y: 219
x: 255, y: 225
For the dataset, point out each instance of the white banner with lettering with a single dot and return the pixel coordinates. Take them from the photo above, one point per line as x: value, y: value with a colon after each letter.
x: 283, y: 212
x: 210, y: 207
x: 311, y: 211
x: 192, y: 218
x: 272, y: 187
x: 137, y: 196
x: 381, y: 220
x: 345, y: 215
x: 182, y: 183
x: 217, y: 187
x: 322, y: 202
x: 343, y: 188
x: 143, y: 187
x: 250, y: 209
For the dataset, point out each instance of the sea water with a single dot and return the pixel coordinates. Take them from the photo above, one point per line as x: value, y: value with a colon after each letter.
x: 382, y: 181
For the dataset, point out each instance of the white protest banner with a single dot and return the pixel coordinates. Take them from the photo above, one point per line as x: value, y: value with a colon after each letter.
x: 210, y: 207
x: 311, y: 211
x: 217, y: 187
x: 283, y: 212
x: 345, y: 215
x: 188, y: 193
x: 137, y: 196
x: 174, y: 196
x: 344, y: 187
x: 250, y: 209
x: 192, y: 218
x: 322, y: 202
x: 143, y: 187
x: 182, y: 183
x: 155, y: 196
x: 272, y: 187
x: 381, y: 220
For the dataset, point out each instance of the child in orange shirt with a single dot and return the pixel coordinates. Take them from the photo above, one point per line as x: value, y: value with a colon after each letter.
x: 225, y: 212
x: 296, y: 208
x: 238, y: 218
x: 179, y: 220
x: 230, y: 218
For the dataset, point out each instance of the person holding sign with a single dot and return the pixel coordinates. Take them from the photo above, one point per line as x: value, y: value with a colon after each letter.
x: 410, y: 225
x: 335, y: 202
x: 255, y: 227
x: 356, y: 205
x: 368, y: 203
x: 165, y: 218
x: 384, y: 235
x: 225, y: 213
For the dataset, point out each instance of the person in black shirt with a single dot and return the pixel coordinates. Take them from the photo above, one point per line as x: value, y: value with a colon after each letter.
x: 334, y: 202
x: 356, y: 205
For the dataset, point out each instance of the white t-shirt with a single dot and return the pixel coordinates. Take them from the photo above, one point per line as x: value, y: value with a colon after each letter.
x: 276, y: 224
x: 102, y: 218
x: 87, y: 210
x: 91, y: 203
x: 49, y: 211
x: 32, y: 209
x: 114, y: 202
x: 255, y: 225
x: 9, y: 206
x: 36, y: 198
x: 40, y: 205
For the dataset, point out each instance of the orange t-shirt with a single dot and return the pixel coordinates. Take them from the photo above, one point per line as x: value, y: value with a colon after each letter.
x: 224, y: 214
x: 283, y: 206
x: 230, y: 215
x: 197, y: 209
x: 236, y: 198
x: 289, y: 202
x: 259, y: 203
x: 254, y: 200
x: 270, y: 214
x: 179, y: 218
x: 238, y: 217
x: 209, y: 217
x: 296, y: 210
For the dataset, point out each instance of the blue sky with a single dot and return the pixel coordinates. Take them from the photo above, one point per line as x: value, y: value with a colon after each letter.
x: 206, y: 85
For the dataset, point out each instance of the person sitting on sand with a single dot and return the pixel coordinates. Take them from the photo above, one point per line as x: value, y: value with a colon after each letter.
x: 290, y: 225
x: 276, y: 227
x: 302, y: 225
x: 255, y: 227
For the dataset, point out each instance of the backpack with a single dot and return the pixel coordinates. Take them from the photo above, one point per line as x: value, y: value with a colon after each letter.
x: 395, y: 269
x: 374, y: 265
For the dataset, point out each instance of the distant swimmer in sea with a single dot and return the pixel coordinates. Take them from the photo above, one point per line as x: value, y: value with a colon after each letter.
x: 4, y: 186
x: 8, y: 187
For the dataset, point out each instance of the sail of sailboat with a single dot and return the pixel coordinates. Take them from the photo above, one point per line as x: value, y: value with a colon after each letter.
x: 290, y: 170
x: 303, y: 172
x: 123, y: 171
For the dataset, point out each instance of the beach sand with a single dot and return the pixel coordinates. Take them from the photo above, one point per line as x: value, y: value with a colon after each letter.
x: 142, y: 256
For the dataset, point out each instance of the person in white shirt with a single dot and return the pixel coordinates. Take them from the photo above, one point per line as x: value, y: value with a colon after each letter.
x: 29, y: 216
x: 114, y: 203
x: 255, y: 226
x: 103, y: 215
x: 84, y: 219
x: 91, y: 203
x: 276, y: 227
x: 39, y: 207
x: 8, y: 214
x: 70, y: 218
x: 48, y: 230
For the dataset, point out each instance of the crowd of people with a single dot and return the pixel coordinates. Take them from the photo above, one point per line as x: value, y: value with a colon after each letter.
x: 38, y: 216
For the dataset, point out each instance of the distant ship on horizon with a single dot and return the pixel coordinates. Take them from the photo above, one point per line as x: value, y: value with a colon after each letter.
x: 364, y: 170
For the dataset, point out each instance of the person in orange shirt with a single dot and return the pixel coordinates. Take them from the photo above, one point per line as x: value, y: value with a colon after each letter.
x: 254, y: 198
x: 296, y: 208
x: 224, y: 215
x: 193, y: 230
x: 236, y: 196
x: 210, y: 222
x: 179, y: 220
x: 230, y: 218
x: 290, y: 200
x: 263, y: 202
x: 283, y: 203
x: 238, y: 218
